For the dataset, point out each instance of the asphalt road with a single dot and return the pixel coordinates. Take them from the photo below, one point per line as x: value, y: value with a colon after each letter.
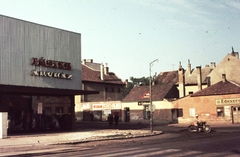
x: 178, y: 143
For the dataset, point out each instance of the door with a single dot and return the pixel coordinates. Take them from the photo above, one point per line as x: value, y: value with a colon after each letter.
x: 126, y: 114
x: 236, y: 114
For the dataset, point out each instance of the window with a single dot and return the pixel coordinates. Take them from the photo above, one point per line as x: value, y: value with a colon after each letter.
x: 192, y: 112
x: 220, y: 112
x: 190, y: 92
x: 146, y: 112
x: 180, y: 112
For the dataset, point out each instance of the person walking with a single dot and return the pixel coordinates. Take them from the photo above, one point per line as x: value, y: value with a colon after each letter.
x: 116, y: 119
x: 91, y: 116
x: 110, y: 119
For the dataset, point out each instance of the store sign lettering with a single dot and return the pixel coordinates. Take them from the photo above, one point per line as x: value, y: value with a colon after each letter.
x: 52, y: 64
x: 97, y: 106
x: 228, y: 101
x: 51, y: 74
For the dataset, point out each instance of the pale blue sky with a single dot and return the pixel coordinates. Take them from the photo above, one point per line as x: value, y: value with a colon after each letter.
x: 129, y: 34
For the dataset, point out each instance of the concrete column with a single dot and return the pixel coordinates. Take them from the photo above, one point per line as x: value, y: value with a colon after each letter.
x: 3, y: 124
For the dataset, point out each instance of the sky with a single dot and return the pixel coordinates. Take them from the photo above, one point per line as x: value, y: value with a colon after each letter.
x: 130, y: 34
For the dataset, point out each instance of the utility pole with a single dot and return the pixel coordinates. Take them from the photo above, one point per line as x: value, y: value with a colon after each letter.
x: 150, y: 94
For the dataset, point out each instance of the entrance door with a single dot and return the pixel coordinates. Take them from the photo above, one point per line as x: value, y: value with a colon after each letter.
x: 236, y: 114
x: 126, y: 114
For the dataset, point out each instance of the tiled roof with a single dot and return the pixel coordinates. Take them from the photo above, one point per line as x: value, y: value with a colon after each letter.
x: 220, y: 88
x: 191, y: 78
x: 167, y: 77
x: 141, y: 93
x: 91, y: 75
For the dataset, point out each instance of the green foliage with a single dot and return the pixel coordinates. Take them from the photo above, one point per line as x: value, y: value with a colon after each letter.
x: 143, y: 81
x: 127, y: 89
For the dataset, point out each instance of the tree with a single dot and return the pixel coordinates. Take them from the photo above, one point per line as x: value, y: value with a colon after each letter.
x: 143, y: 81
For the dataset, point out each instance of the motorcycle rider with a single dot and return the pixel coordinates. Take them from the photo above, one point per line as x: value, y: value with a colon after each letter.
x: 196, y: 121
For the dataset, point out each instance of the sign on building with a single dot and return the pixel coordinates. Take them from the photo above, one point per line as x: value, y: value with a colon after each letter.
x: 233, y: 101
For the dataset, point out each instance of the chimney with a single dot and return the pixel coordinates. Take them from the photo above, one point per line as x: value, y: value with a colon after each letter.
x: 213, y: 65
x: 181, y: 81
x: 89, y: 60
x: 199, y: 77
x: 189, y: 67
x: 223, y: 77
x: 126, y: 83
x: 84, y: 62
x: 208, y: 81
x: 106, y: 69
x: 235, y: 54
x: 101, y: 72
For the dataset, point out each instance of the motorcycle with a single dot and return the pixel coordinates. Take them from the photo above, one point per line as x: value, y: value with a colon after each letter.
x: 201, y: 127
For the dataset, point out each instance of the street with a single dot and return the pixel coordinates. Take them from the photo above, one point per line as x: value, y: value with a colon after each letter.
x: 181, y: 143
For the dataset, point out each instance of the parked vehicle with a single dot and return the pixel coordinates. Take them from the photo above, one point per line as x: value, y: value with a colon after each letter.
x: 200, y: 127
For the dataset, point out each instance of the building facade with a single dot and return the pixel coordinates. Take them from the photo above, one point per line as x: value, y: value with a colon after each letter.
x: 40, y: 73
x: 189, y: 83
x: 218, y: 103
x: 96, y: 76
x: 136, y: 105
x: 216, y: 99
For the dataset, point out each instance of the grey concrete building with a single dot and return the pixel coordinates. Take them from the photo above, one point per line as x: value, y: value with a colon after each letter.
x: 40, y: 72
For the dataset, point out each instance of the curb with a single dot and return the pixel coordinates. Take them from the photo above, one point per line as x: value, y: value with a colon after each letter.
x: 108, y: 137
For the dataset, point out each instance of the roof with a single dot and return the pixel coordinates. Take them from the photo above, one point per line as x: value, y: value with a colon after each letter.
x: 229, y: 66
x: 220, y: 88
x: 191, y: 78
x: 141, y: 93
x: 91, y: 75
x: 167, y: 77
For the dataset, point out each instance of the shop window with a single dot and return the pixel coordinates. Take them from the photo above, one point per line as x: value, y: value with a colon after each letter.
x: 220, y: 112
x: 146, y: 112
x: 59, y: 110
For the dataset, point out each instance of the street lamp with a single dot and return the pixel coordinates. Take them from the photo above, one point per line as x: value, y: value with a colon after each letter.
x: 150, y: 94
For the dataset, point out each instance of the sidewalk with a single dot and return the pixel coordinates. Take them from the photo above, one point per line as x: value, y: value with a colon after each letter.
x: 72, y: 137
x: 87, y: 131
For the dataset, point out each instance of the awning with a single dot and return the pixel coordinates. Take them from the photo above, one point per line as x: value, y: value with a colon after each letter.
x: 26, y: 90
